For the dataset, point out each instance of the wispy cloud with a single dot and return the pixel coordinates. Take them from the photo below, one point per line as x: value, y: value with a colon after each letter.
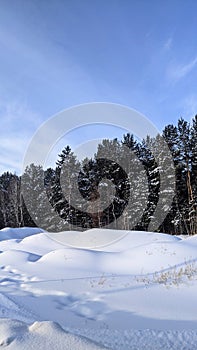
x: 15, y: 115
x: 18, y: 125
x: 177, y: 72
x: 42, y: 71
x: 190, y: 106
x: 168, y: 44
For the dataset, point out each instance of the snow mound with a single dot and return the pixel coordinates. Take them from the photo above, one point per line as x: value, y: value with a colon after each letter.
x: 108, y: 239
x: 18, y: 233
x: 17, y: 335
x: 104, y: 291
x: 191, y: 239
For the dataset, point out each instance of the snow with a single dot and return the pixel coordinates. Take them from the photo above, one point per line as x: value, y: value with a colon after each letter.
x: 18, y: 233
x: 75, y: 290
x: 45, y: 335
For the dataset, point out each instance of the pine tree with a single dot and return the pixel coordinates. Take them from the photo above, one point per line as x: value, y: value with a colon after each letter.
x: 64, y: 193
x: 193, y: 177
x: 9, y: 200
x: 36, y: 207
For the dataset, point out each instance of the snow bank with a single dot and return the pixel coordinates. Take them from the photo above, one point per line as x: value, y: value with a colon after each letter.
x: 148, y: 339
x: 144, y: 281
x: 18, y: 233
x: 17, y: 335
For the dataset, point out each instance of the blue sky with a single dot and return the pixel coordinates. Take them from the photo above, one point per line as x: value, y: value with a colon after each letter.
x: 56, y: 54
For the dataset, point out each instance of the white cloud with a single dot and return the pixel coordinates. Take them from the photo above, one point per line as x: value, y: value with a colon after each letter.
x: 178, y: 72
x: 18, y: 124
x: 12, y: 149
x: 8, y: 164
x: 190, y: 106
x: 168, y: 44
x: 15, y: 114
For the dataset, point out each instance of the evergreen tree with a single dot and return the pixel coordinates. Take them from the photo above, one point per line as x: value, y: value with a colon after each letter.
x: 9, y: 200
x: 64, y: 193
x: 127, y: 185
x: 36, y: 207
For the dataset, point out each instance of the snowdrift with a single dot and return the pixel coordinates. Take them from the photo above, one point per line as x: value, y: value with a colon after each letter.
x: 138, y: 291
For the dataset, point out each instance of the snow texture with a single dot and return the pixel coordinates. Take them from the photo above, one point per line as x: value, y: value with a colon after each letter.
x: 139, y: 292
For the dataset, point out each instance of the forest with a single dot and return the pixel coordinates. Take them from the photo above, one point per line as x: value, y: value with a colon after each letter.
x: 120, y: 187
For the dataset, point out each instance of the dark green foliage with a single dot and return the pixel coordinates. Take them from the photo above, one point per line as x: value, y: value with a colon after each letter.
x: 95, y: 192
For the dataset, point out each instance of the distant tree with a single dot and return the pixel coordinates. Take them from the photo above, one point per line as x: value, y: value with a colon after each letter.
x: 64, y: 193
x: 126, y: 185
x: 36, y: 208
x: 193, y: 178
x: 9, y: 200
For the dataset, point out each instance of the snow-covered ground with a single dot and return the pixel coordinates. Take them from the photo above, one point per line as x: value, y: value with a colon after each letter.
x: 138, y: 292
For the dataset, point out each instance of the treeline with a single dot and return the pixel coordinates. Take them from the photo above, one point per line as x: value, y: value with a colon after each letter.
x: 121, y: 187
